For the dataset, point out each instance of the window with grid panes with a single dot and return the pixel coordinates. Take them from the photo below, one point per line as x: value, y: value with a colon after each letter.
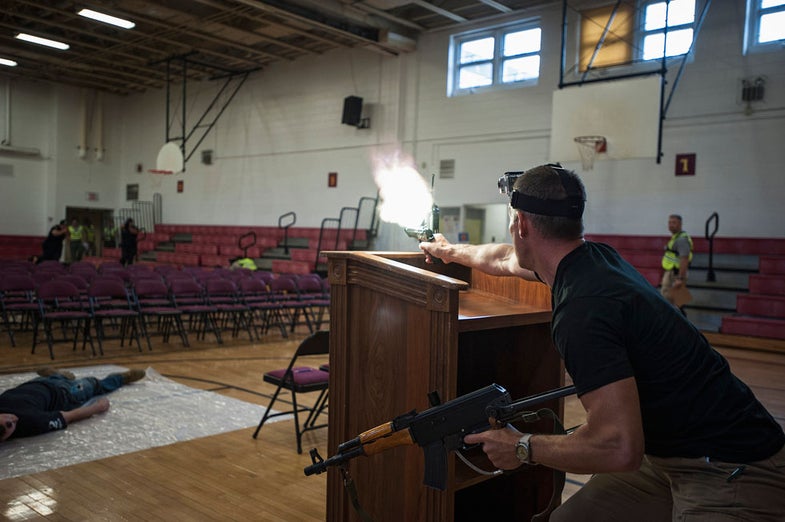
x: 495, y: 58
x: 765, y: 28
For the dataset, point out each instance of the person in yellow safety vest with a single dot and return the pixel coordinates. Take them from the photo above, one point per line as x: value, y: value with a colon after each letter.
x: 109, y: 234
x: 244, y: 262
x: 675, y: 261
x: 76, y: 234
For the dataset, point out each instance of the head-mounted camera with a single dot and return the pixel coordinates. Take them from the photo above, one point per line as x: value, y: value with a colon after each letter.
x: 571, y: 207
x: 507, y: 182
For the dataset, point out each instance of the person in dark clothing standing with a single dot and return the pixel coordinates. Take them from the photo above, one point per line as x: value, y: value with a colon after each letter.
x: 128, y: 235
x: 55, y: 400
x: 52, y: 246
x: 670, y: 433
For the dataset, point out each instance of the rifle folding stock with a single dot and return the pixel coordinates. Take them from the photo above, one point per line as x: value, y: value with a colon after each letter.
x: 438, y: 430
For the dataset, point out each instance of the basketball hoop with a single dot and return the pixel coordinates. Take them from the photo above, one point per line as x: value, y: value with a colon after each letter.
x: 590, y: 146
x: 158, y: 175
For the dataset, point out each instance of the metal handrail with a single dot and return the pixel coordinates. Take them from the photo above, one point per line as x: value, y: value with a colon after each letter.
x: 714, y: 217
x: 286, y: 229
x: 340, y: 222
x: 321, y: 236
x: 245, y: 248
x: 371, y: 226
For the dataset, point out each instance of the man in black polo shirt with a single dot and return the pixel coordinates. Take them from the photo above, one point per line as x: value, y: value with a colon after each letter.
x: 670, y: 432
x: 55, y: 400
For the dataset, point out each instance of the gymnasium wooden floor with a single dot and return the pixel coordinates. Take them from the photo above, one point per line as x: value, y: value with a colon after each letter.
x: 232, y: 476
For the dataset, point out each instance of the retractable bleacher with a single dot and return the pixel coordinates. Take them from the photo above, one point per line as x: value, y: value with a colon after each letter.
x: 747, y: 295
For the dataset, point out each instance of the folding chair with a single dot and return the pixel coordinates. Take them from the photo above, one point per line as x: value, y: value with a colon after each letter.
x: 256, y: 296
x: 284, y: 291
x: 60, y: 302
x: 78, y: 281
x: 188, y: 297
x: 110, y: 266
x: 264, y: 276
x: 109, y: 300
x: 17, y: 303
x: 51, y: 266
x: 83, y: 268
x: 151, y: 300
x: 301, y: 379
x: 310, y: 290
x: 223, y: 295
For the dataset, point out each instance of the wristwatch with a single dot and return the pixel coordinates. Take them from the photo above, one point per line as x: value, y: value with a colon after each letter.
x: 523, y: 450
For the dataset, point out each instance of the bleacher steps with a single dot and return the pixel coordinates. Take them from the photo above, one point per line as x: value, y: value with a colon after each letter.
x: 754, y: 326
x: 739, y: 280
x: 181, y: 237
x: 264, y: 263
x: 745, y: 342
x: 277, y: 253
x: 734, y: 262
x: 295, y: 242
x: 713, y: 298
x: 705, y: 319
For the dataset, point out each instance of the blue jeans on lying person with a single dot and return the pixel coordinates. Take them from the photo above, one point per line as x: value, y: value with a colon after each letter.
x: 76, y: 392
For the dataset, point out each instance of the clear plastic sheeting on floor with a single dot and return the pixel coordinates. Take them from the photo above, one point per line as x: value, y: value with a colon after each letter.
x: 154, y: 411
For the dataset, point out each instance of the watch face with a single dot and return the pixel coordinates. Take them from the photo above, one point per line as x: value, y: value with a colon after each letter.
x: 522, y: 451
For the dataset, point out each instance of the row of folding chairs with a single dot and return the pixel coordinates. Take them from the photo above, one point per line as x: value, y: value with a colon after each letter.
x: 59, y: 311
x: 150, y: 304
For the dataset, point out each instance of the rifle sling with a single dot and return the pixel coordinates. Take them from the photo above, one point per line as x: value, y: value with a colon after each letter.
x: 351, y: 490
x: 558, y: 475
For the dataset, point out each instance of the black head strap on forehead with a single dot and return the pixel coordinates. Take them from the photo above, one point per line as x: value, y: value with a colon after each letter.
x: 570, y: 207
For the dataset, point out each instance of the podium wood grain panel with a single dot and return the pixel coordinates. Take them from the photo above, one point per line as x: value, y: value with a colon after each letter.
x: 400, y: 330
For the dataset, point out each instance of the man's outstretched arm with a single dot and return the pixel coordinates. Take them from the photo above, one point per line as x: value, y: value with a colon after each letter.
x: 83, y: 412
x: 497, y: 259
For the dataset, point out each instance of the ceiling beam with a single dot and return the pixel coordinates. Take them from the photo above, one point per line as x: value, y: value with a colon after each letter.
x: 191, y: 30
x: 76, y: 58
x: 439, y: 10
x: 267, y: 39
x: 170, y: 34
x: 497, y: 6
x: 288, y: 14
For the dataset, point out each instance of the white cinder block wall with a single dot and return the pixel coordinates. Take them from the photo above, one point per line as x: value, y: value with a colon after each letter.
x: 281, y: 135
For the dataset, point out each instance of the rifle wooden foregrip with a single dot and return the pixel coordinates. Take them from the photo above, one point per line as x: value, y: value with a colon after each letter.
x: 382, y: 430
x: 398, y: 438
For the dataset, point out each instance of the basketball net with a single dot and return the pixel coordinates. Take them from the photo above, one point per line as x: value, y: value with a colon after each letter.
x: 588, y: 147
x: 157, y: 176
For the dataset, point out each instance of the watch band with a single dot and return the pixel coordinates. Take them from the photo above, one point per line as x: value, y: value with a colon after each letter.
x: 523, y: 449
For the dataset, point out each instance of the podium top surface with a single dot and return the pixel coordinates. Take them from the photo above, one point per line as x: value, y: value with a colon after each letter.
x: 484, y: 301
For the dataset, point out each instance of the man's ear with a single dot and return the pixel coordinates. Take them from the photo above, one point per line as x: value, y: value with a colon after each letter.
x: 523, y: 225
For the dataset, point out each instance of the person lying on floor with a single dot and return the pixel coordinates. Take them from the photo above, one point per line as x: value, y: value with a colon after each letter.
x: 56, y: 399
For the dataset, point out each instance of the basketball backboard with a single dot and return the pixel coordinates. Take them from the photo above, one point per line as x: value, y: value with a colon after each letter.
x: 626, y: 112
x: 170, y: 158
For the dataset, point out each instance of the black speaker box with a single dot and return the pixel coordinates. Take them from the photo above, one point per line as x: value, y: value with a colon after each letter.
x: 352, y: 110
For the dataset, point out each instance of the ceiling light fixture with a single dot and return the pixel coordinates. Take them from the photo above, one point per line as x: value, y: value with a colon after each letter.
x: 9, y: 63
x: 42, y: 41
x: 107, y: 19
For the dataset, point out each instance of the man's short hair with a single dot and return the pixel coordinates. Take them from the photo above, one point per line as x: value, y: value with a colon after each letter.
x: 544, y: 182
x: 675, y: 216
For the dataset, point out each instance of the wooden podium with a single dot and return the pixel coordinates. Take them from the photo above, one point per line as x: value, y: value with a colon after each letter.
x: 400, y: 329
